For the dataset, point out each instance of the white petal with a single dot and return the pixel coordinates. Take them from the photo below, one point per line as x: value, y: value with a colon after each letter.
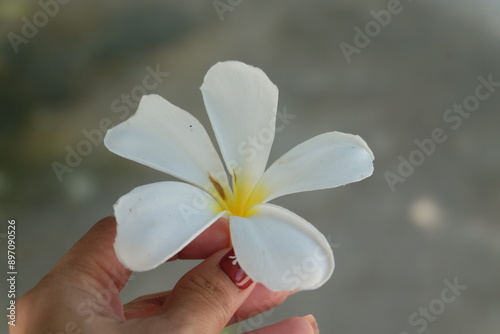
x: 325, y: 161
x: 281, y: 250
x: 241, y: 102
x: 169, y: 139
x: 157, y: 220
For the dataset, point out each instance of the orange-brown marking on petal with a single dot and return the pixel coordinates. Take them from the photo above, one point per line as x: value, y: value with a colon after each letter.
x: 217, y: 186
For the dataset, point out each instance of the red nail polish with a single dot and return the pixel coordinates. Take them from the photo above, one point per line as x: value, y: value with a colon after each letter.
x: 229, y: 264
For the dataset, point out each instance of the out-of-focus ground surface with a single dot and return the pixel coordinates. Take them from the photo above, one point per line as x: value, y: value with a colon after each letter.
x: 393, y: 249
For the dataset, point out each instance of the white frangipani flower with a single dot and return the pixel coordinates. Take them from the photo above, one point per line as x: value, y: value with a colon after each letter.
x: 273, y: 245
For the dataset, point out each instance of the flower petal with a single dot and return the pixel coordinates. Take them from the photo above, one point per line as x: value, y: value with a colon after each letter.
x: 169, y: 139
x: 157, y: 220
x: 241, y: 102
x: 326, y: 161
x: 281, y: 250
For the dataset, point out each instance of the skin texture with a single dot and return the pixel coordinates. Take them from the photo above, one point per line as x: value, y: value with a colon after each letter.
x: 81, y: 294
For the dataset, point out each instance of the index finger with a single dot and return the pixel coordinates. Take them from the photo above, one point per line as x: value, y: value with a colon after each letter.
x: 94, y: 253
x: 214, y: 238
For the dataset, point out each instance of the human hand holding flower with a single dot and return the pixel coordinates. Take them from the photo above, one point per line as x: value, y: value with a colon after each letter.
x: 255, y: 252
x: 81, y: 294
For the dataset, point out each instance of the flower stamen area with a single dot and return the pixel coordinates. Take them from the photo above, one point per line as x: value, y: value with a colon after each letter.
x: 217, y: 186
x: 240, y: 199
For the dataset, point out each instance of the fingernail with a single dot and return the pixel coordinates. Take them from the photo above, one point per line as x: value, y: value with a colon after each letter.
x: 229, y: 264
x: 310, y: 319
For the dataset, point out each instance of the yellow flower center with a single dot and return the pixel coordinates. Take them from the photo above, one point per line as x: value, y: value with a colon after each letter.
x: 241, y: 200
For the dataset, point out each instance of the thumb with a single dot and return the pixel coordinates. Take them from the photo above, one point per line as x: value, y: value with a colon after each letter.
x: 205, y: 299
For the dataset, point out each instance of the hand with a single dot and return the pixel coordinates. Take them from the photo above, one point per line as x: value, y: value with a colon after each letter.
x: 81, y: 294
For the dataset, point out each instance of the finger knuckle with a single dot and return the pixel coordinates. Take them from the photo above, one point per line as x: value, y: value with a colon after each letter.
x: 213, y: 293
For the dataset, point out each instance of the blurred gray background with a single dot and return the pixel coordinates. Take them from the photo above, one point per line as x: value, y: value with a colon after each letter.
x: 394, y: 248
